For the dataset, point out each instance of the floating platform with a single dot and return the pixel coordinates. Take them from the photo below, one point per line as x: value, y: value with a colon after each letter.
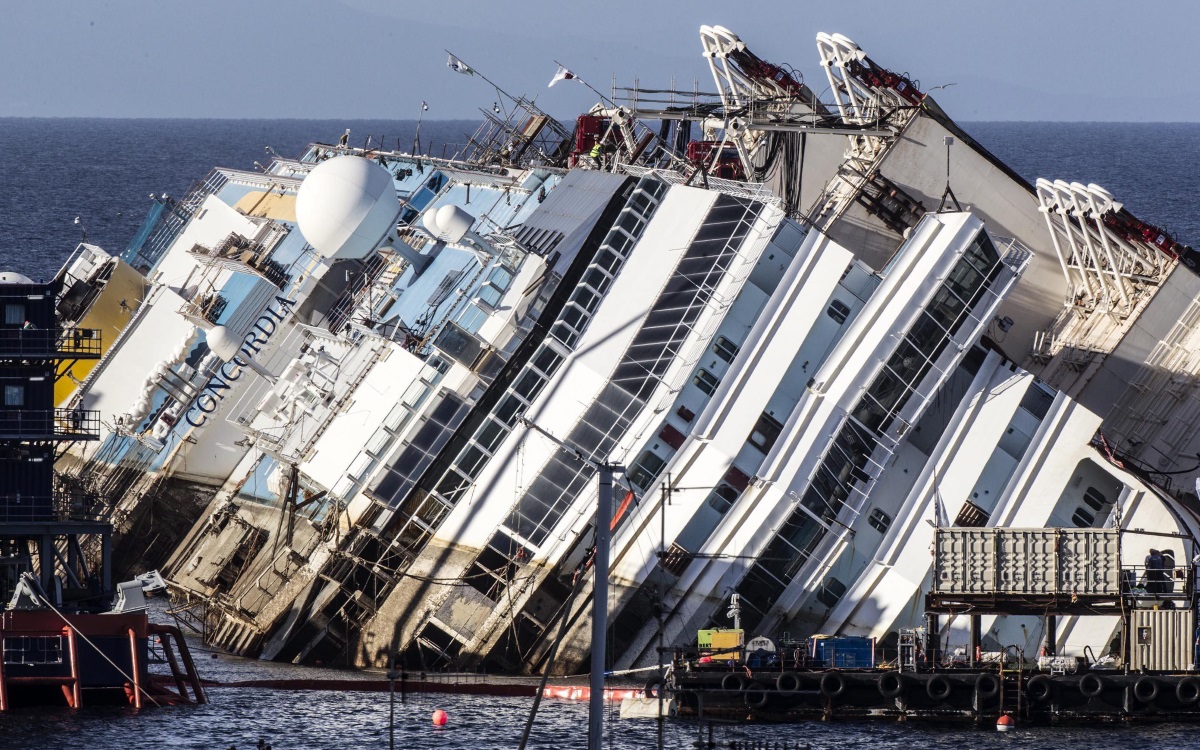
x: 951, y: 695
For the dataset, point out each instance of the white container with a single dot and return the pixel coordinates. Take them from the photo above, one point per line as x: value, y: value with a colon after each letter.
x: 1161, y: 639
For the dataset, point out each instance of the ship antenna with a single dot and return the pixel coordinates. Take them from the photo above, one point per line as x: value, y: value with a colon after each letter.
x: 949, y: 141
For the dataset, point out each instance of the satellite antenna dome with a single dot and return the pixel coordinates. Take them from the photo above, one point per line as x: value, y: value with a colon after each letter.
x: 222, y: 343
x: 12, y: 277
x: 345, y: 207
x: 430, y: 222
x: 454, y: 222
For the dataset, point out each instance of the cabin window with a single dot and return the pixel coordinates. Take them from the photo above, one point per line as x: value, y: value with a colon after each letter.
x: 722, y: 497
x: 831, y: 592
x: 839, y: 311
x: 14, y: 314
x: 765, y: 432
x: 1082, y: 518
x: 725, y: 349
x: 706, y: 381
x: 14, y: 395
x: 1094, y: 499
x: 879, y: 520
x: 645, y: 469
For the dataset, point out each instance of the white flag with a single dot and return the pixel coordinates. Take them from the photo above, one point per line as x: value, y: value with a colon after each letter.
x: 562, y: 75
x: 458, y: 66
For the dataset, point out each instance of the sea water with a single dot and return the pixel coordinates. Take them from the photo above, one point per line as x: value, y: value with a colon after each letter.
x: 104, y: 171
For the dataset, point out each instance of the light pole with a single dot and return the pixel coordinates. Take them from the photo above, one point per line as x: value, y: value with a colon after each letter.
x: 605, y: 472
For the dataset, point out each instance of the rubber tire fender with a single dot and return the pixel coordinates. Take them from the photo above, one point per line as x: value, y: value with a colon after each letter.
x: 891, y: 684
x: 654, y: 687
x: 1187, y: 691
x: 939, y: 688
x: 1145, y: 689
x: 1039, y: 688
x: 756, y: 695
x: 733, y: 681
x: 987, y: 685
x: 788, y: 682
x: 832, y: 684
x: 1091, y: 685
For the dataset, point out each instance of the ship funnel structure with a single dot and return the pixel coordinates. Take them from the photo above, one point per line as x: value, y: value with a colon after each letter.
x: 1107, y: 255
x: 229, y: 349
x: 346, y: 206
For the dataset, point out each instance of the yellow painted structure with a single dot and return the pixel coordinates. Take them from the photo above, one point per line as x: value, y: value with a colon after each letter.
x: 107, y: 316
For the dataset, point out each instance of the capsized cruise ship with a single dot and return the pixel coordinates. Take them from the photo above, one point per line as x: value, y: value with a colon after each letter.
x: 810, y: 331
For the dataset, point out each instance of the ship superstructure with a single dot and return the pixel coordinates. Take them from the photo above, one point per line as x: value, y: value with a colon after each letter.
x: 806, y: 332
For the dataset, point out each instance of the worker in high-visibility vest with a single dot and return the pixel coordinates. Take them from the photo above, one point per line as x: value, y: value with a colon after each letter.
x: 594, y: 154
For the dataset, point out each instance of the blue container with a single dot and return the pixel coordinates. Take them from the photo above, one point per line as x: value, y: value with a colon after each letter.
x: 844, y: 652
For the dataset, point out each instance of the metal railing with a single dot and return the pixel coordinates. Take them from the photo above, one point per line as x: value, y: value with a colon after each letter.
x: 79, y: 424
x: 58, y: 506
x: 56, y: 343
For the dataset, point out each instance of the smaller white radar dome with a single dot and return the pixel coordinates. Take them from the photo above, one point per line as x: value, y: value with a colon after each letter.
x: 12, y: 277
x: 345, y: 206
x: 454, y: 223
x: 430, y: 222
x: 222, y: 343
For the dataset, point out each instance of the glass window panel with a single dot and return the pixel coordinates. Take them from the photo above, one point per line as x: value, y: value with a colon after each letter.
x: 725, y: 349
x: 839, y: 311
x: 706, y: 381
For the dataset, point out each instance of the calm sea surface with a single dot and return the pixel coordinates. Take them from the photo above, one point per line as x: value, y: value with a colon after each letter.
x: 103, y: 171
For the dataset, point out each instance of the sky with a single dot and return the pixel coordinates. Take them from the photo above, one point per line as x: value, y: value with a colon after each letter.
x: 1103, y: 60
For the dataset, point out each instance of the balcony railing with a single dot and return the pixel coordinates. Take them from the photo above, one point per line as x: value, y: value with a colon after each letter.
x: 50, y: 343
x: 56, y: 507
x: 50, y: 424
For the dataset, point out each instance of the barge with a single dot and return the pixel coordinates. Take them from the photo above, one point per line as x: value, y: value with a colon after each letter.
x: 1148, y: 673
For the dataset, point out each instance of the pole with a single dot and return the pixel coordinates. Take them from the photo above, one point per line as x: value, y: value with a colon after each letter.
x: 391, y: 676
x: 662, y: 559
x: 600, y: 608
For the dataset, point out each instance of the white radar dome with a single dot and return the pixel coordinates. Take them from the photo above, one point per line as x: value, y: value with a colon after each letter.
x: 12, y: 277
x: 454, y: 222
x: 345, y: 206
x: 222, y: 343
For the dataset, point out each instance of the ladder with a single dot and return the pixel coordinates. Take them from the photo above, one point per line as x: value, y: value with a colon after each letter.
x: 1011, y: 684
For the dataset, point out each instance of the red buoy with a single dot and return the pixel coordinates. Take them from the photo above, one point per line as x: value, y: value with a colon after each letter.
x: 440, y: 718
x: 1005, y: 723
